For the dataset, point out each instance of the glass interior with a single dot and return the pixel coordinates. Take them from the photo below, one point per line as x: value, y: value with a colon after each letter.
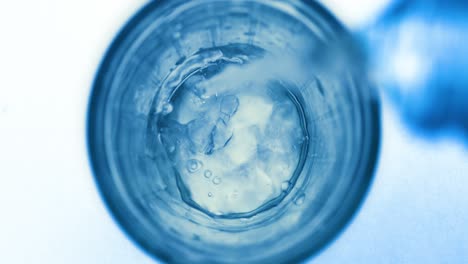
x: 233, y: 131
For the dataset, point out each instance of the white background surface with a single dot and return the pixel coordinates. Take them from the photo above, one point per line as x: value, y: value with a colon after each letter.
x: 50, y: 210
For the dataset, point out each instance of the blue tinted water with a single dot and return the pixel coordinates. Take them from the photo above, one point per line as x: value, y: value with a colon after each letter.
x: 236, y: 140
x: 233, y: 131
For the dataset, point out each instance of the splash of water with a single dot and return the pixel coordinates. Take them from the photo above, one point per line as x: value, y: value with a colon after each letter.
x: 247, y: 132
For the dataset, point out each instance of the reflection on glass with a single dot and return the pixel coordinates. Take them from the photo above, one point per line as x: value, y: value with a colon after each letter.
x: 233, y: 131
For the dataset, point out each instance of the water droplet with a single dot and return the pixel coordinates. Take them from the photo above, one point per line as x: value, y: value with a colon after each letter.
x: 167, y: 108
x: 194, y: 165
x: 299, y: 199
x: 210, y: 194
x: 285, y: 185
x: 176, y: 35
x: 208, y: 174
x: 171, y: 148
x: 216, y: 180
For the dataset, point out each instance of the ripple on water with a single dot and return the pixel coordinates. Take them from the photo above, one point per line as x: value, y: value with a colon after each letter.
x: 245, y: 127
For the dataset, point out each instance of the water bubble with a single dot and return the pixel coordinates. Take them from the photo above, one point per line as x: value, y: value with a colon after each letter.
x: 171, y: 148
x: 299, y: 199
x: 178, y: 26
x: 176, y: 35
x: 210, y: 194
x: 167, y: 108
x: 194, y: 165
x: 216, y: 180
x: 208, y: 174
